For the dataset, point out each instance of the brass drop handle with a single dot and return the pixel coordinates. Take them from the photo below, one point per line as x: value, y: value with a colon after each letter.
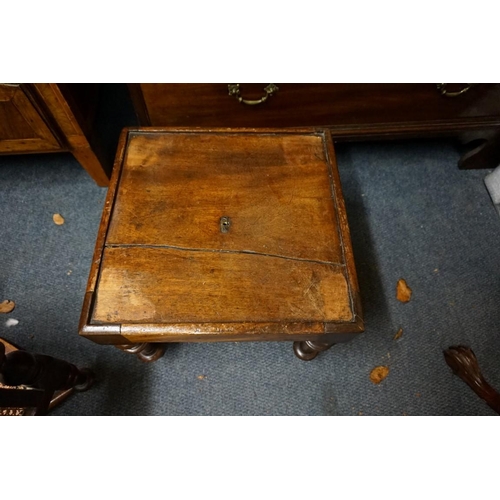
x: 234, y: 89
x: 442, y: 89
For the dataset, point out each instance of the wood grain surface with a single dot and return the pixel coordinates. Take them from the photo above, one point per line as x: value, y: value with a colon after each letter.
x: 165, y: 270
x: 274, y: 188
x: 159, y: 285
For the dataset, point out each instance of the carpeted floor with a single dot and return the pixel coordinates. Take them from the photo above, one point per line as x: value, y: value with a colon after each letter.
x: 412, y: 214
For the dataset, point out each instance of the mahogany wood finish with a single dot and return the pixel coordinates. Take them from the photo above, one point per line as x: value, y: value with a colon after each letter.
x: 49, y: 117
x: 351, y: 111
x: 464, y: 364
x: 223, y: 235
x: 32, y: 384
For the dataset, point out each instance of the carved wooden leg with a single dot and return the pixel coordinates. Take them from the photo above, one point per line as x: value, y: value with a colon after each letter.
x: 145, y: 352
x: 463, y: 362
x: 308, y: 349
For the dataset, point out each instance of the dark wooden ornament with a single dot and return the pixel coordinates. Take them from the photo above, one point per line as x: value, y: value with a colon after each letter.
x: 464, y: 364
x: 37, y: 382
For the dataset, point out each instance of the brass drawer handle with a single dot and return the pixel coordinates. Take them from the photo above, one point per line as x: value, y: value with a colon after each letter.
x: 442, y: 89
x: 234, y: 89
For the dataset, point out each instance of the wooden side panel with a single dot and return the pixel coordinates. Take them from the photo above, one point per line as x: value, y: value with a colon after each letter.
x: 83, y: 99
x: 275, y: 190
x: 158, y: 285
x: 71, y: 131
x: 87, y: 306
x: 345, y: 234
x: 22, y: 130
x: 140, y: 108
x: 12, y: 123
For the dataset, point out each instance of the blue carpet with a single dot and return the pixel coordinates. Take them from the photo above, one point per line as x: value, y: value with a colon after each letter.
x: 412, y: 214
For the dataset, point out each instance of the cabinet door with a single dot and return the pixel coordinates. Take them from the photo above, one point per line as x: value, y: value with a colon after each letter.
x: 22, y: 129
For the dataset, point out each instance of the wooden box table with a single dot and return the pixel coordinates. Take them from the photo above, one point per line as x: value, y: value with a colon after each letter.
x: 223, y: 235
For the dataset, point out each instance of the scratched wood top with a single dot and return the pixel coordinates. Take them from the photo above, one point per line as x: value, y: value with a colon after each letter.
x: 167, y: 259
x: 275, y: 189
x: 156, y: 285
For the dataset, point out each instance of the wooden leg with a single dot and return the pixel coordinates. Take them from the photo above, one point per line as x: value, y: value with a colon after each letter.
x: 484, y: 154
x: 463, y: 362
x: 145, y: 352
x: 308, y: 349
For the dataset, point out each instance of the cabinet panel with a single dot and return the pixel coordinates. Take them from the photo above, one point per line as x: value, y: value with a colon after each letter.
x: 22, y: 129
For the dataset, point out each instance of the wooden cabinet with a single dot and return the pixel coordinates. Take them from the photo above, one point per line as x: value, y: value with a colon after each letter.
x: 350, y: 111
x: 49, y: 117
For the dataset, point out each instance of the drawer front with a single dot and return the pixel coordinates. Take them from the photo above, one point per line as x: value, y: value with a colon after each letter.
x: 22, y: 129
x: 348, y: 106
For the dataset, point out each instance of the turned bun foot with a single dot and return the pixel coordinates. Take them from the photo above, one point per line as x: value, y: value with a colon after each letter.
x: 85, y: 380
x: 307, y: 350
x: 145, y: 352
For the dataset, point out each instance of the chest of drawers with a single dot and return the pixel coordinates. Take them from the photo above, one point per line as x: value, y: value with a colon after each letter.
x: 351, y: 111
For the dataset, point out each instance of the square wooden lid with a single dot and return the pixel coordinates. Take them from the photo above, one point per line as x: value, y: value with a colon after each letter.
x: 216, y: 228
